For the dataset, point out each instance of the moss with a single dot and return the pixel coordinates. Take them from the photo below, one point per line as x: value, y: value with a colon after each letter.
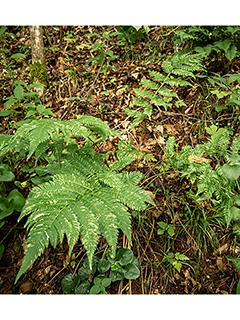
x: 39, y: 72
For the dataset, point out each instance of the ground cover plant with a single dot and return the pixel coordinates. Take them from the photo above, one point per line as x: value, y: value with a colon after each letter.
x: 123, y: 178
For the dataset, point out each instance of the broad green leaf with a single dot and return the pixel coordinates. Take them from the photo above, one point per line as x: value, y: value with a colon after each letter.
x: 40, y: 109
x: 2, y: 223
x: 40, y: 180
x: 106, y: 282
x: 231, y: 52
x: 101, y: 57
x: 2, y: 30
x: 124, y: 256
x: 117, y: 275
x: 162, y: 225
x: 171, y: 230
x: 236, y: 228
x: 17, y: 56
x: 70, y: 282
x: 5, y: 113
x: 181, y: 257
x: 224, y: 45
x: 6, y: 208
x: 214, y: 131
x: 236, y: 198
x: 103, y: 265
x: 221, y: 94
x: 204, y: 50
x: 177, y: 265
x: 232, y: 172
x: 97, y: 45
x: 19, y: 93
x: 95, y: 289
x: 5, y: 173
x: 18, y: 199
x: 10, y: 102
x: 131, y: 271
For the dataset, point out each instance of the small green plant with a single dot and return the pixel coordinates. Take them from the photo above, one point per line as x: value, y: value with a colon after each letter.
x: 236, y: 263
x: 219, y: 184
x: 129, y: 34
x: 100, y: 47
x: 95, y: 279
x: 163, y: 226
x: 176, y: 260
x: 27, y: 102
x: 14, y: 201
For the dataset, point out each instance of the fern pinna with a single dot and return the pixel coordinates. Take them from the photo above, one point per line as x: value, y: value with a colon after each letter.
x: 84, y: 196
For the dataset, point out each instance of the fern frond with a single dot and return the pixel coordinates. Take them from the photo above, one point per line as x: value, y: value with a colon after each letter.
x: 84, y: 198
x: 183, y: 64
x: 37, y: 134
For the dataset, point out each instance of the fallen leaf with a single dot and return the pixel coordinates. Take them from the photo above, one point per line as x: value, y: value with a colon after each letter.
x: 151, y: 195
x: 196, y: 159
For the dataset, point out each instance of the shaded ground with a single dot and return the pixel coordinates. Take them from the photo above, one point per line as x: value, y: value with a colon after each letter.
x: 208, y: 271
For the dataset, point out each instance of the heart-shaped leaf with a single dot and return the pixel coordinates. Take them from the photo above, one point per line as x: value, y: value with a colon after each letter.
x: 18, y: 199
x: 232, y: 172
x: 103, y: 265
x: 70, y: 282
x: 131, y: 271
x: 124, y: 256
x: 5, y: 173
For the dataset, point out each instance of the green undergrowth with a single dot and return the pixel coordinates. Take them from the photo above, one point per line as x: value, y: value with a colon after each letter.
x: 84, y: 196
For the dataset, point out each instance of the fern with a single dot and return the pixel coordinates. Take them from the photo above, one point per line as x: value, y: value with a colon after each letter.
x: 35, y: 136
x: 83, y: 198
x: 156, y: 91
x: 183, y: 64
x: 212, y: 184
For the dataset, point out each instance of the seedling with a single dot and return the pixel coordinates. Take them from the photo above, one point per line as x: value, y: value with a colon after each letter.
x: 176, y: 260
x: 94, y: 280
x: 163, y: 226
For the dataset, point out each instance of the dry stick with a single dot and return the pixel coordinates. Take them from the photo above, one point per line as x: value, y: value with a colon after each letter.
x: 46, y: 284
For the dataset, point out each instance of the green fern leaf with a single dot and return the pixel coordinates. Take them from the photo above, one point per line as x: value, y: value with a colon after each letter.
x: 36, y: 134
x: 150, y: 84
x: 144, y: 93
x: 140, y: 103
x: 178, y: 82
x: 157, y: 75
x: 84, y: 198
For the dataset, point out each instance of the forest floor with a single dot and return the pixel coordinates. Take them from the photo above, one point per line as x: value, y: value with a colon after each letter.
x: 207, y: 271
